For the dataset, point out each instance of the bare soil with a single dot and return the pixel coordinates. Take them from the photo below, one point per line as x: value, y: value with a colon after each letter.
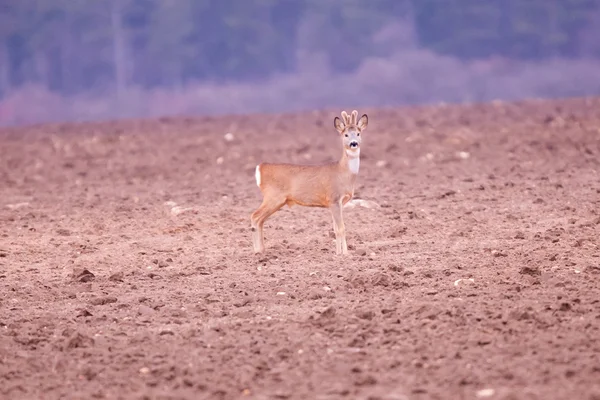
x: 127, y: 271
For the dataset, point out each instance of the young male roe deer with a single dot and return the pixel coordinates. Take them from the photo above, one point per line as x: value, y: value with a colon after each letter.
x: 327, y: 186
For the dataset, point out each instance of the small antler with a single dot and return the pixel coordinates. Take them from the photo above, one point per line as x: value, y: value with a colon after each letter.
x: 351, y: 119
x: 354, y: 119
x: 345, y: 118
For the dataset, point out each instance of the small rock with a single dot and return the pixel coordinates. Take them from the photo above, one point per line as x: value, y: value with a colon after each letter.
x: 180, y: 210
x: 361, y: 203
x: 381, y: 163
x: 463, y: 155
x: 162, y: 264
x: 220, y: 160
x: 485, y: 393
x: 17, y: 205
x: 144, y: 370
x: 519, y: 235
x: 229, y: 137
x: 463, y: 281
x: 395, y: 395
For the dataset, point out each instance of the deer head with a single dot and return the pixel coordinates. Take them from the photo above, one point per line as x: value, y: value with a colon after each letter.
x: 350, y: 128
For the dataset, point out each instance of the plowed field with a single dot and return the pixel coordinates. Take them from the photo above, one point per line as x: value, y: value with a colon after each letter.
x: 127, y: 270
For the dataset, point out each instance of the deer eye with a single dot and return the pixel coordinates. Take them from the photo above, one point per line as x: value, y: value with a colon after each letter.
x: 346, y: 135
x: 358, y: 134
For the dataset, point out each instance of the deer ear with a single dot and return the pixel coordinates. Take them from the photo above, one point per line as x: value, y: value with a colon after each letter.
x: 338, y: 124
x: 363, y: 122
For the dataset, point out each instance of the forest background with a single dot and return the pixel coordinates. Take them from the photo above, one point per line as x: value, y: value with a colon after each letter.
x: 99, y: 59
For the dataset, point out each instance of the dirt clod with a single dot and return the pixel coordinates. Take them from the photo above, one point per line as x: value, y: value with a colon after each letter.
x: 565, y: 307
x: 82, y: 275
x: 84, y: 313
x: 100, y: 301
x: 78, y: 341
x: 531, y: 271
x: 117, y: 277
x: 361, y: 251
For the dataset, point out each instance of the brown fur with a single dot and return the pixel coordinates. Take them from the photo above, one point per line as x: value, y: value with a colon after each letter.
x: 328, y: 186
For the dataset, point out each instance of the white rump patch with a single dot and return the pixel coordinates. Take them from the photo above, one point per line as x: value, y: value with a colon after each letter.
x: 257, y: 175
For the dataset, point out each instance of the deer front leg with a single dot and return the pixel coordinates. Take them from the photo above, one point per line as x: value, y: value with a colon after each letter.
x: 340, y: 230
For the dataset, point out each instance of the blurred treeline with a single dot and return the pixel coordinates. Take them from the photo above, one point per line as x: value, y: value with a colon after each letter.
x: 73, y: 47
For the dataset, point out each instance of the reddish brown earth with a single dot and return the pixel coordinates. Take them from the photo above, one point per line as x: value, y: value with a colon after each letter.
x: 176, y: 306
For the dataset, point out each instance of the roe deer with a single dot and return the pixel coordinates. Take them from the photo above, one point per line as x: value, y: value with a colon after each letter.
x: 328, y: 186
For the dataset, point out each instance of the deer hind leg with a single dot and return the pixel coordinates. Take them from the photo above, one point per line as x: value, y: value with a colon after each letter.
x: 268, y: 207
x: 340, y: 229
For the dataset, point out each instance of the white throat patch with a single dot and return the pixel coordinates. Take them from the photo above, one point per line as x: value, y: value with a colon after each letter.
x: 353, y: 160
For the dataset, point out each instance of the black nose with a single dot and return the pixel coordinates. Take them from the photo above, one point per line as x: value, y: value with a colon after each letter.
x: 353, y: 144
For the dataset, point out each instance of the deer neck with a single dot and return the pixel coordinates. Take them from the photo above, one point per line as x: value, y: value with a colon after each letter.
x: 350, y: 161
